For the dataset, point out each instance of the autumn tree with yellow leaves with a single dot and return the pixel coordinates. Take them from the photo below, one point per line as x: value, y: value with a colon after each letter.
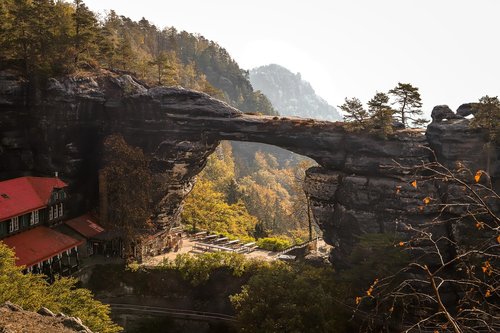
x: 452, y: 283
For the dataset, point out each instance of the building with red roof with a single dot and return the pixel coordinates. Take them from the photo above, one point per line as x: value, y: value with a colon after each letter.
x: 96, y: 240
x: 29, y: 207
x: 86, y: 225
x: 39, y: 244
x: 26, y: 194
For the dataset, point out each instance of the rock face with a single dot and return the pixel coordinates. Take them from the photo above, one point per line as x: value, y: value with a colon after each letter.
x: 290, y: 94
x: 355, y: 190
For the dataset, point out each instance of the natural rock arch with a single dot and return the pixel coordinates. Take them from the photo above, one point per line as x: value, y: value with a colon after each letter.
x: 352, y: 192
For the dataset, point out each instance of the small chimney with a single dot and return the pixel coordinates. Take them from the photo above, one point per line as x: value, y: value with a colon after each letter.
x: 56, y: 174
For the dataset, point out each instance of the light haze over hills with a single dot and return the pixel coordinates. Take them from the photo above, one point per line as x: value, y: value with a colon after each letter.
x: 290, y: 94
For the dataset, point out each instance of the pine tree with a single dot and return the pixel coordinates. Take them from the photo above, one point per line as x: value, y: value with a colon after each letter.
x: 487, y: 116
x: 5, y: 24
x: 86, y: 31
x: 381, y: 114
x: 125, y: 53
x: 20, y: 37
x: 355, y: 114
x: 109, y: 39
x: 408, y: 100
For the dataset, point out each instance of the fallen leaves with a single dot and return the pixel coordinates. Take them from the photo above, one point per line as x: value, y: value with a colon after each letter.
x: 487, y: 268
x: 477, y: 176
x: 398, y: 189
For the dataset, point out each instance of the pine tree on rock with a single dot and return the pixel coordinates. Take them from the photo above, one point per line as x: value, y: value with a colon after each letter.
x: 408, y: 102
x: 355, y: 114
x: 381, y: 114
x: 487, y: 116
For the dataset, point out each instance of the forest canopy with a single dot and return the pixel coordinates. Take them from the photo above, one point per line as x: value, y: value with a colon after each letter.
x: 44, y: 38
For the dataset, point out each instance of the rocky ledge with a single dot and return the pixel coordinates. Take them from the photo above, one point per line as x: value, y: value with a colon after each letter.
x: 14, y: 319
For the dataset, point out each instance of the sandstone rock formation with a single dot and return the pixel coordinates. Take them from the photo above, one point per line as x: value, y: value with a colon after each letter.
x: 356, y: 189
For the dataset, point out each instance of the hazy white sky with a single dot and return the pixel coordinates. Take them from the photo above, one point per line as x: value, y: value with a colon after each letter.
x: 448, y: 48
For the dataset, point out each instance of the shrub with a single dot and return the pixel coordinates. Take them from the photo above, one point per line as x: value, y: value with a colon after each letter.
x: 275, y: 244
x: 197, y: 269
x: 31, y: 292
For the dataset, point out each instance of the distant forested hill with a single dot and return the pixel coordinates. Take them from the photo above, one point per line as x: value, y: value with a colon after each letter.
x: 289, y: 94
x: 52, y: 38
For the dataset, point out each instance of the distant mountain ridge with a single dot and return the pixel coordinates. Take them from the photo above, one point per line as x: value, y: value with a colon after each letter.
x: 290, y: 94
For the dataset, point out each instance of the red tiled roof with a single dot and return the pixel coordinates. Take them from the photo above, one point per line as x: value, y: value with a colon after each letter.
x: 22, y: 195
x: 39, y: 244
x: 85, y: 225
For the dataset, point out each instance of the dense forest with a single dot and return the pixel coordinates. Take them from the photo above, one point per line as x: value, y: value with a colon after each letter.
x: 44, y: 38
x: 256, y: 198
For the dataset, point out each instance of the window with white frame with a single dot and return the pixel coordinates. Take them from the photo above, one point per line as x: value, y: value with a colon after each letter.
x: 34, y: 218
x: 60, y: 210
x: 56, y: 212
x: 14, y: 224
x: 51, y: 213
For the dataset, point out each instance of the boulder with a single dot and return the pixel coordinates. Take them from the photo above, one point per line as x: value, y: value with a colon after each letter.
x: 46, y: 312
x: 467, y: 109
x: 442, y: 112
x: 12, y: 306
x: 75, y: 324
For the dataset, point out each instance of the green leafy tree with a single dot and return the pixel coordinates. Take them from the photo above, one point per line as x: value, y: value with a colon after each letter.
x: 220, y: 168
x: 354, y: 114
x: 197, y: 269
x: 286, y: 298
x: 408, y: 102
x: 128, y: 183
x: 31, y: 292
x: 205, y: 208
